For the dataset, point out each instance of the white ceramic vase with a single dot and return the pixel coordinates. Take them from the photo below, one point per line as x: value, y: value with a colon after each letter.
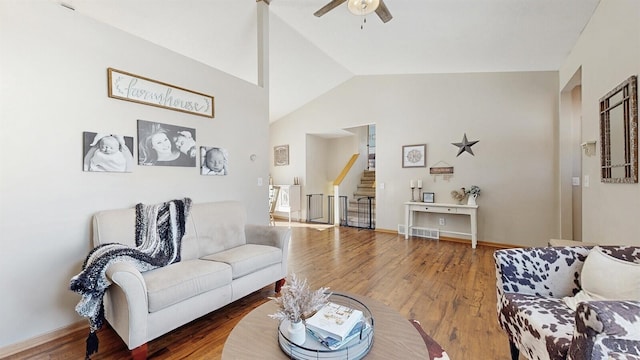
x: 297, y: 333
x: 471, y: 200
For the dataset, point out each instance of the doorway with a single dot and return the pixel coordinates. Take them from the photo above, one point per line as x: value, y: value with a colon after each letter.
x: 570, y: 159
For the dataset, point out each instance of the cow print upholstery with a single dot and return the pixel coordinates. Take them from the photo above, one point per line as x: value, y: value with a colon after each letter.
x: 530, y: 286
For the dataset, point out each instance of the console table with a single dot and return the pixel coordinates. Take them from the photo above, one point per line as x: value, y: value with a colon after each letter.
x: 288, y: 200
x: 471, y: 210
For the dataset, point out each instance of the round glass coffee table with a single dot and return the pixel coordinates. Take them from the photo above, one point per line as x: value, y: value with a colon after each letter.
x: 256, y: 335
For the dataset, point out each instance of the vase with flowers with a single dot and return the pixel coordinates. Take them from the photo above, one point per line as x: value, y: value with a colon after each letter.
x: 295, y: 304
x: 473, y: 192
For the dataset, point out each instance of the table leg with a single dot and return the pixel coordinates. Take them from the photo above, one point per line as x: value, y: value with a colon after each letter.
x: 407, y: 215
x: 474, y: 231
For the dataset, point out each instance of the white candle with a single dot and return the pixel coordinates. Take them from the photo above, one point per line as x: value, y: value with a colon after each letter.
x: 420, y: 183
x: 413, y: 184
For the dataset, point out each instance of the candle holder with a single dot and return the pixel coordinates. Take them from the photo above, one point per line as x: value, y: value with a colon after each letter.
x: 412, y: 194
x: 419, y: 194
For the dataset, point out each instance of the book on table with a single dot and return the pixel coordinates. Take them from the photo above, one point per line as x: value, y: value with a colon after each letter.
x: 358, y: 330
x: 334, y: 321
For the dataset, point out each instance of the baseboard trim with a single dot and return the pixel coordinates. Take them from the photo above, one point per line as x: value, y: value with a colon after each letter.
x: 18, y: 347
x: 459, y: 240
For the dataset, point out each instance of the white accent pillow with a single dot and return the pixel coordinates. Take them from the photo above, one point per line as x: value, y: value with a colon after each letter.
x: 604, y: 277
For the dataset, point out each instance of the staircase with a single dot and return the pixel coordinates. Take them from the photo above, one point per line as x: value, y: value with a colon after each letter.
x: 358, y: 207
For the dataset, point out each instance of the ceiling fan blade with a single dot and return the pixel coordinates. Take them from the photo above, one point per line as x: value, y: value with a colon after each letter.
x: 383, y: 12
x: 330, y: 6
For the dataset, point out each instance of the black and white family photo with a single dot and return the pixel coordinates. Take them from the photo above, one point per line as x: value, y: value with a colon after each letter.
x: 107, y: 152
x: 166, y: 145
x: 214, y: 161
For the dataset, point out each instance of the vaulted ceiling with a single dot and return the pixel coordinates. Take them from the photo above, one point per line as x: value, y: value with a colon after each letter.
x: 311, y: 55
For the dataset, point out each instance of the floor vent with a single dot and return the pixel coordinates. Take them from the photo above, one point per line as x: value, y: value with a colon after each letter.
x: 421, y: 232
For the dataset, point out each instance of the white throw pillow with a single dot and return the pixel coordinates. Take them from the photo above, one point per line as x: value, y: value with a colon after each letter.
x: 604, y: 277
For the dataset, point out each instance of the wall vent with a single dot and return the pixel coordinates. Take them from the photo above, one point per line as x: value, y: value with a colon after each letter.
x: 421, y: 232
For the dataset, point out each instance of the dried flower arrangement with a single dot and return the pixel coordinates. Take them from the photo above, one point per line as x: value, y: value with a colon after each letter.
x: 459, y: 195
x: 297, y: 302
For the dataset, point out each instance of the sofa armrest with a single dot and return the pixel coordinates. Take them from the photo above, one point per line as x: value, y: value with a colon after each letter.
x: 268, y: 235
x: 604, y: 328
x: 128, y: 303
x: 545, y: 271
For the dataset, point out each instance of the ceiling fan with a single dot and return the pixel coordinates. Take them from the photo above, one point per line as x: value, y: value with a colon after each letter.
x: 359, y: 7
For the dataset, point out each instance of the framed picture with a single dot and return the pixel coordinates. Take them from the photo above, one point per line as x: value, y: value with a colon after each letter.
x: 130, y: 87
x: 414, y: 156
x: 166, y: 145
x: 214, y: 160
x: 107, y: 152
x: 428, y: 197
x: 281, y: 155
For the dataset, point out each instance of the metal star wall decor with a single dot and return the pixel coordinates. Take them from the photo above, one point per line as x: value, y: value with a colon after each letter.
x: 465, y: 145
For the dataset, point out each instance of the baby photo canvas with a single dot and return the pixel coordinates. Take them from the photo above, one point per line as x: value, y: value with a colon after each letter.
x: 214, y: 161
x: 107, y: 152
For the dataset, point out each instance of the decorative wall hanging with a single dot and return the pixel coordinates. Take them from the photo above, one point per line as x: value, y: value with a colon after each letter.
x: 107, y: 152
x: 281, y: 155
x: 214, y: 161
x: 465, y: 145
x: 414, y: 156
x: 138, y: 89
x: 445, y: 170
x: 166, y: 145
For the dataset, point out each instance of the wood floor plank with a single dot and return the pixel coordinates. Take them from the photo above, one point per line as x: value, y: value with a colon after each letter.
x: 447, y: 286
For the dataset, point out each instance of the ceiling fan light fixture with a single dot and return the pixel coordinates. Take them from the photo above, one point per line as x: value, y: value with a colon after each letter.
x: 362, y: 7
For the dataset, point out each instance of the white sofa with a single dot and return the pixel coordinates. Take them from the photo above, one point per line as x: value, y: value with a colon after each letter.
x: 222, y: 260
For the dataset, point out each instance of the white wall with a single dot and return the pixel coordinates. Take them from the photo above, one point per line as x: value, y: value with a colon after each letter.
x: 514, y: 116
x: 608, y: 52
x: 53, y: 66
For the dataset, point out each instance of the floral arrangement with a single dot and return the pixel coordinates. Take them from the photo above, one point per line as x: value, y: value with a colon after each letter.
x: 297, y: 302
x: 473, y: 190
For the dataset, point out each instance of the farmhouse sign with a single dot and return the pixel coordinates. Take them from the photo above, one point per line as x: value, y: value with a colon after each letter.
x: 130, y: 87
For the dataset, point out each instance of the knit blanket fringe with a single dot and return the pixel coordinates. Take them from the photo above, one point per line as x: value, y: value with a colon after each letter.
x: 159, y: 232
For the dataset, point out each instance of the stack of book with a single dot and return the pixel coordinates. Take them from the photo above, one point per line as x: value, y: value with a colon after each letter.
x: 336, y: 325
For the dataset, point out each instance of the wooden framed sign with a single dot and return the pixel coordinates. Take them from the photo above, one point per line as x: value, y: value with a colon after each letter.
x: 138, y: 89
x: 441, y: 170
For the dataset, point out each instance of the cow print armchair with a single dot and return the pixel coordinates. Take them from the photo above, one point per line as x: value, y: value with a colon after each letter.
x: 531, y: 284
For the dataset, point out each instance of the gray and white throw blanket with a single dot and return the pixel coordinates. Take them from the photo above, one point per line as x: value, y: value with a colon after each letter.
x: 159, y: 231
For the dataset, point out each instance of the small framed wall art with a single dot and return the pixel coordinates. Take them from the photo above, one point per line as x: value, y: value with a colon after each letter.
x: 414, y: 156
x: 281, y: 155
x: 428, y: 197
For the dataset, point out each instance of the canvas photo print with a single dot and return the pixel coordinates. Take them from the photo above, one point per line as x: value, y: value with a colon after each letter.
x: 166, y: 145
x: 107, y: 152
x: 214, y: 161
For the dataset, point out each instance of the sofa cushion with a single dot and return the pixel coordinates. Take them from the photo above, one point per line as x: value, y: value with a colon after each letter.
x: 174, y: 283
x: 605, y: 277
x: 246, y: 259
x: 218, y: 226
x: 544, y: 325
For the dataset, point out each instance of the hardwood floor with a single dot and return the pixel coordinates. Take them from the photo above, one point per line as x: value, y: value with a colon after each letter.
x: 447, y: 286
